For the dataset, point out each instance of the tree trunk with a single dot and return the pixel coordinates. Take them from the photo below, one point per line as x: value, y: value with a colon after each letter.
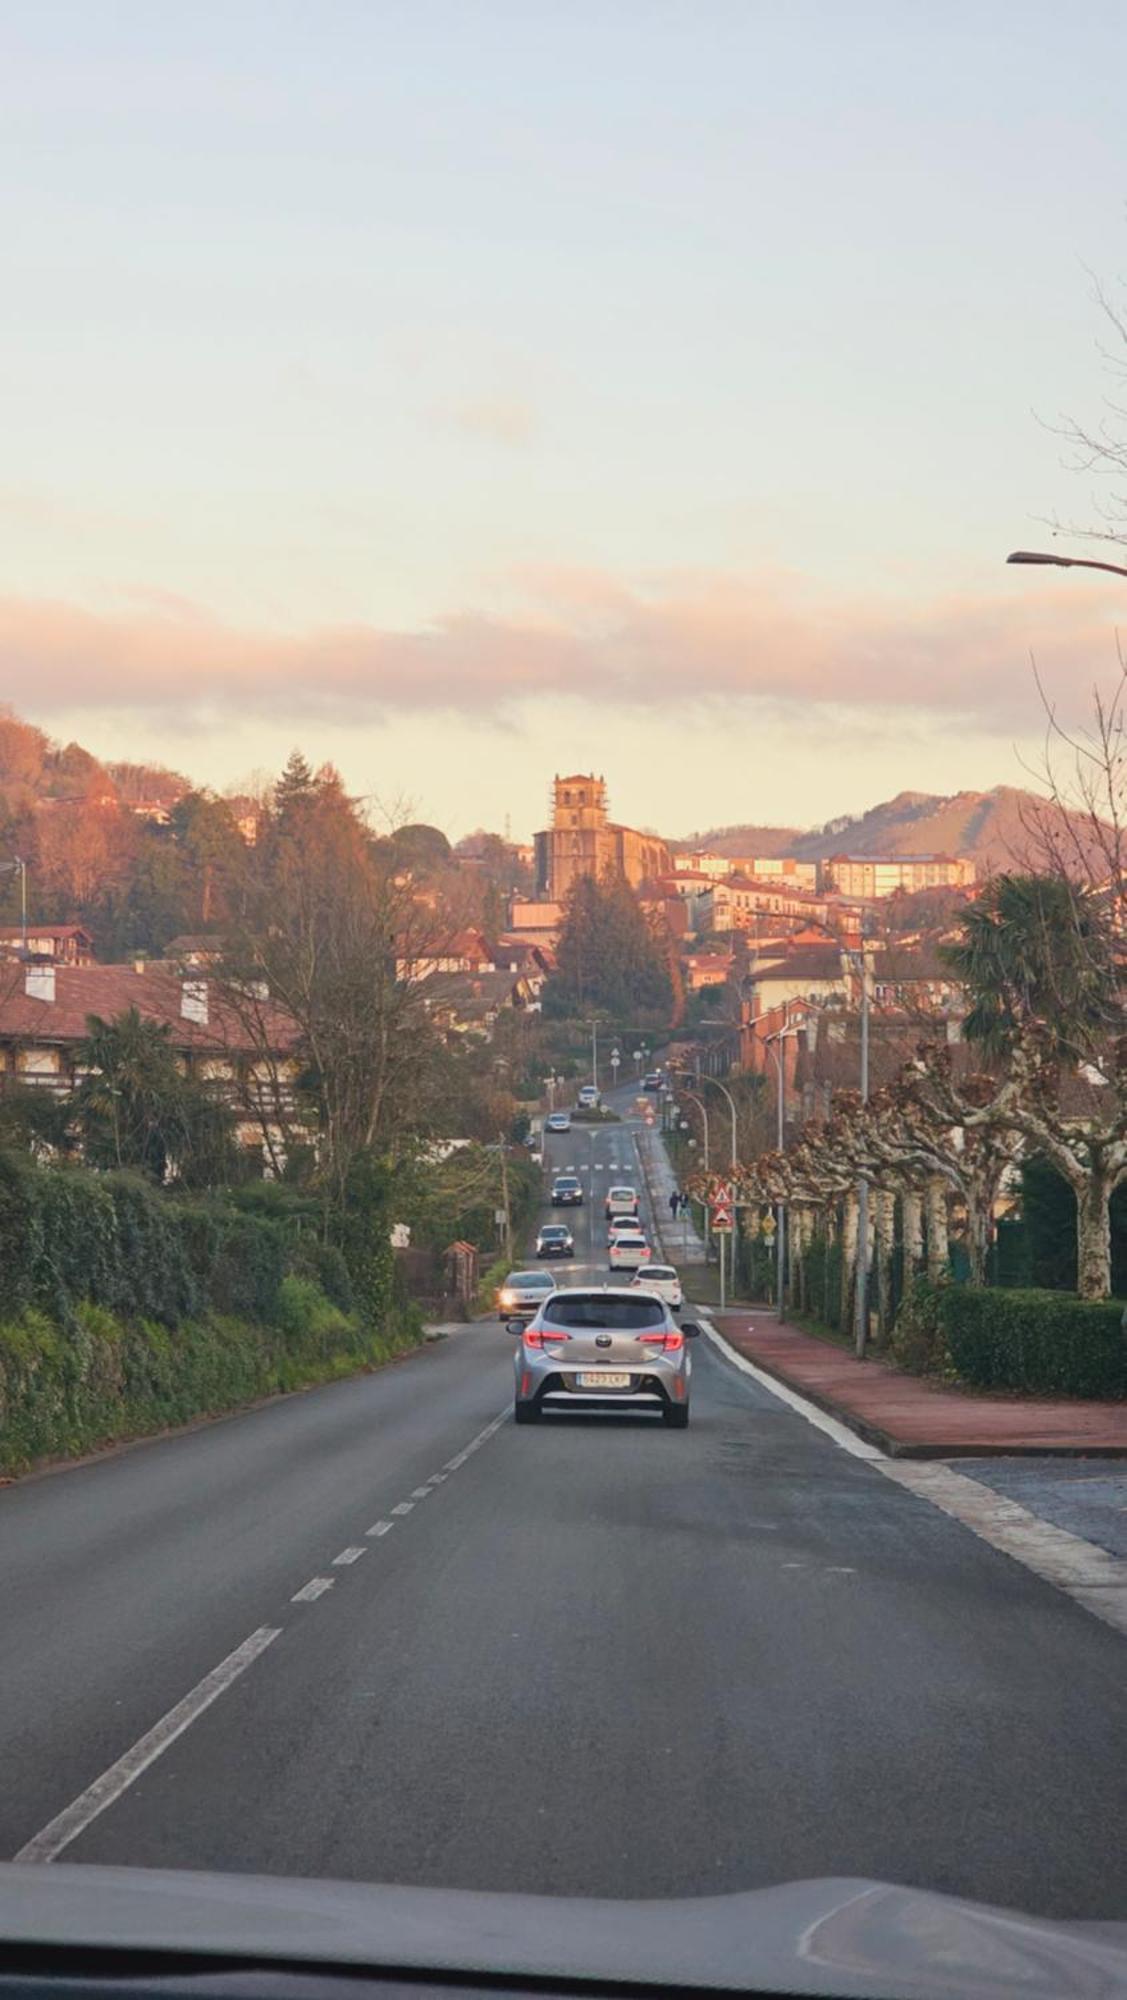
x: 979, y: 1215
x: 885, y: 1202
x: 848, y: 1258
x: 911, y: 1211
x: 935, y: 1206
x: 1093, y: 1237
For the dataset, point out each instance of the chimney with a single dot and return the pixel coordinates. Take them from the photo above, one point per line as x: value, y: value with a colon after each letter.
x: 39, y: 982
x: 193, y: 1001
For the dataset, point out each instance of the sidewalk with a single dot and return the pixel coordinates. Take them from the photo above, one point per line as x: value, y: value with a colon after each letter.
x: 680, y: 1241
x: 912, y: 1418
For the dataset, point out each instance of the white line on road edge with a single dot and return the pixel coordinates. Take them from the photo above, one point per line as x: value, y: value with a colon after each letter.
x: 75, y: 1818
x: 840, y: 1433
x: 1088, y: 1574
x: 311, y: 1591
x: 1093, y: 1578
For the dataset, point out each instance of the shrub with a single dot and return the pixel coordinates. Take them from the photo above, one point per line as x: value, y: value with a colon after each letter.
x: 919, y: 1337
x: 1050, y: 1343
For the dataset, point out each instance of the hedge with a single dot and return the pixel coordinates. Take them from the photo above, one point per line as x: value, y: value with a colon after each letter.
x: 1048, y: 1343
x: 65, y: 1390
x: 124, y: 1309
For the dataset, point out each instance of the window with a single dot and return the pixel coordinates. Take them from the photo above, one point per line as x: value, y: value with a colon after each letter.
x: 603, y: 1311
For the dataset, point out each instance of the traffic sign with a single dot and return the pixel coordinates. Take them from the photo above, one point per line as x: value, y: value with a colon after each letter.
x: 721, y: 1218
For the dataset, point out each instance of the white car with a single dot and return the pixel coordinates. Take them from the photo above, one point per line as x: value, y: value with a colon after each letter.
x: 621, y: 1201
x: 662, y: 1279
x: 623, y: 1223
x: 589, y: 1097
x: 629, y: 1251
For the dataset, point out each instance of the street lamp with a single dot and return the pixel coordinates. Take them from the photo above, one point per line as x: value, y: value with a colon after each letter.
x: 715, y: 1081
x: 783, y: 1034
x: 1065, y: 562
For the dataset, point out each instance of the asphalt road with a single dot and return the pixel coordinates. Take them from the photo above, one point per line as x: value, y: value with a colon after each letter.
x: 594, y: 1657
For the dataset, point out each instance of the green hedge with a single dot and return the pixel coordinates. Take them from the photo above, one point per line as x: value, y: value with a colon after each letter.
x: 124, y: 1309
x: 67, y: 1389
x: 1047, y: 1343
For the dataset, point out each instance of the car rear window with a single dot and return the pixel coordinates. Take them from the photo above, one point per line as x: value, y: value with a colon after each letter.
x: 660, y: 1271
x: 613, y: 1311
x: 629, y: 1237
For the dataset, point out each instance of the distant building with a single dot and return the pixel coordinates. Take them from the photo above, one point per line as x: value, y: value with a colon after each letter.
x: 583, y: 841
x: 781, y: 868
x: 63, y: 944
x: 875, y: 875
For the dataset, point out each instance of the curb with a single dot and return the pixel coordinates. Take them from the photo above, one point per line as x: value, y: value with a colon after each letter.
x: 895, y: 1447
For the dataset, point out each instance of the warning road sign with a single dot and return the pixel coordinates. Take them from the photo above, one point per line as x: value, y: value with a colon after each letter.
x: 721, y: 1217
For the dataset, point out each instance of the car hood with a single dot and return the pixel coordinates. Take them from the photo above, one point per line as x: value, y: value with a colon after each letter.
x: 823, y: 1937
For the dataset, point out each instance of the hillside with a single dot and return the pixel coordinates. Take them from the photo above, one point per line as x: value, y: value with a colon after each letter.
x: 995, y: 828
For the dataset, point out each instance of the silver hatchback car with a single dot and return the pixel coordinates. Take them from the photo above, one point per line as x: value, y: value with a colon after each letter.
x: 603, y: 1349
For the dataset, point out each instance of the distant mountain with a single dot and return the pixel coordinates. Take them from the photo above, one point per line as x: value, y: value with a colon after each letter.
x: 998, y: 829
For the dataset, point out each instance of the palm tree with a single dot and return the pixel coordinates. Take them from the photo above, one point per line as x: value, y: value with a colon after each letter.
x: 1037, y: 949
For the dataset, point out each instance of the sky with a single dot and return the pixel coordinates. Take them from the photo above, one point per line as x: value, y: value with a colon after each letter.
x: 467, y: 392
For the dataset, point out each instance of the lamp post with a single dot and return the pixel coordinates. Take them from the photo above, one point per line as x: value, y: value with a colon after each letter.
x: 1064, y: 562
x: 715, y: 1081
x: 861, y: 1286
x: 595, y: 1054
x: 783, y: 1034
x: 703, y: 1109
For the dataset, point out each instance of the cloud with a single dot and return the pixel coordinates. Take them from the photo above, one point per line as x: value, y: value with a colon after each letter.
x: 503, y: 419
x: 685, y: 641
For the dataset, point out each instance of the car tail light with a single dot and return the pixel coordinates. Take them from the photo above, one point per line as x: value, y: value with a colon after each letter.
x: 672, y: 1341
x: 544, y: 1336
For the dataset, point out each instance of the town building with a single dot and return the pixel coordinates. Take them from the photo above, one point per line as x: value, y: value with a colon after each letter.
x: 61, y: 944
x: 871, y: 876
x: 245, y: 1050
x: 583, y: 840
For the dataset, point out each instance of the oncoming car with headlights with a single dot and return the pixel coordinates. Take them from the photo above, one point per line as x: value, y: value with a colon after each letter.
x: 523, y: 1293
x: 603, y: 1349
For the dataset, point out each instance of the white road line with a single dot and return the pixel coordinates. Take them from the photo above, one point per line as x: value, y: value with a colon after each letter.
x: 75, y: 1818
x: 1089, y: 1574
x: 453, y: 1464
x: 1093, y: 1578
x: 437, y: 1478
x: 840, y: 1433
x: 421, y: 1493
x: 311, y: 1591
x: 380, y: 1528
x: 404, y: 1507
x: 349, y: 1555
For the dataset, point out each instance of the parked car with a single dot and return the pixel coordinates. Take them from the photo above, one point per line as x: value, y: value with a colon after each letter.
x: 604, y: 1349
x: 558, y: 1121
x: 567, y: 1191
x: 621, y: 1201
x: 629, y: 1250
x: 555, y: 1240
x: 662, y: 1279
x: 523, y: 1293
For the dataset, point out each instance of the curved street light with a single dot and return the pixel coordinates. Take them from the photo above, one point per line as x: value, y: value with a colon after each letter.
x: 1065, y: 562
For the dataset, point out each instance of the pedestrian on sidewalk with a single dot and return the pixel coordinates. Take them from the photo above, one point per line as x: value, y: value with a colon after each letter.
x: 674, y: 1203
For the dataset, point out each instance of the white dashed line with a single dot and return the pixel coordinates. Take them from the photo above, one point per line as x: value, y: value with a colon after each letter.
x: 437, y: 1478
x: 311, y: 1591
x: 421, y: 1493
x: 350, y: 1555
x: 380, y: 1528
x: 453, y: 1464
x: 404, y: 1507
x: 75, y: 1818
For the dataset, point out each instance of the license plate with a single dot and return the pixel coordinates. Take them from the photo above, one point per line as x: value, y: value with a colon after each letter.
x: 606, y: 1379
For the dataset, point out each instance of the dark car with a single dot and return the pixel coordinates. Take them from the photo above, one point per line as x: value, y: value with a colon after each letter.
x: 567, y: 1191
x: 555, y: 1240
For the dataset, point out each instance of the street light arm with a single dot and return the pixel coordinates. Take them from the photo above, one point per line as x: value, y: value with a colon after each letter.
x: 1065, y: 562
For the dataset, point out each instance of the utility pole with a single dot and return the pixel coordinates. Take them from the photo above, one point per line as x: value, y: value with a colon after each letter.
x: 595, y: 1054
x: 508, y: 1223
x: 861, y: 1315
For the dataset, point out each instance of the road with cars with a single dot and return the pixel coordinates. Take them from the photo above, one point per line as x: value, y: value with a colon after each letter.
x: 376, y: 1631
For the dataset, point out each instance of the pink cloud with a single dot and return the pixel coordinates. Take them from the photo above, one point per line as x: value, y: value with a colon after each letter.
x: 690, y: 638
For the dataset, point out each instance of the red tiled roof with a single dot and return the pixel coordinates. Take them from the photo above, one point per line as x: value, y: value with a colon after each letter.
x: 110, y: 990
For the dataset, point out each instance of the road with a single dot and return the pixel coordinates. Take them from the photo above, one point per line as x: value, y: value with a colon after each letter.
x: 594, y: 1657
